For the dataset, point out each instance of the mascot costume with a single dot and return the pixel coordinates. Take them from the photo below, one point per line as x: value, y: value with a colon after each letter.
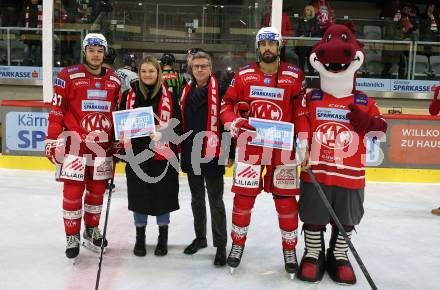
x: 340, y: 119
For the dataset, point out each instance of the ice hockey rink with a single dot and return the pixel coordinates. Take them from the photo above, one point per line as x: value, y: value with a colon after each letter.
x: 398, y: 240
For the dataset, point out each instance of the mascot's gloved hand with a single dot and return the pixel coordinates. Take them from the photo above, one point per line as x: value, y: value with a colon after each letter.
x: 54, y: 149
x: 239, y: 125
x: 434, y: 108
x: 362, y: 122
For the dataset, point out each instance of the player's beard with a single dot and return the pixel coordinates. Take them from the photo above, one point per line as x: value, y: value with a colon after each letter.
x: 92, y: 66
x: 268, y: 57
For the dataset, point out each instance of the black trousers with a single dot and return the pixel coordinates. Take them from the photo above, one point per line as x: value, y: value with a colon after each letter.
x: 214, y: 187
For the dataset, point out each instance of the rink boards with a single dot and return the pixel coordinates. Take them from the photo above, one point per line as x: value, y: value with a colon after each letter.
x: 372, y: 174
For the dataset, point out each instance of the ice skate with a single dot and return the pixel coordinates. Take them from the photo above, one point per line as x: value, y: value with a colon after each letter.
x: 290, y: 262
x: 72, y: 247
x: 93, y: 239
x: 234, y: 257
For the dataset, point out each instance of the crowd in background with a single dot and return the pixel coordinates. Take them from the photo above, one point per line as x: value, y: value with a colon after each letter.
x: 399, y: 20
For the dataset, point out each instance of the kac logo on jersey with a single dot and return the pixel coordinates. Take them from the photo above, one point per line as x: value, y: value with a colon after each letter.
x: 95, y: 106
x: 330, y: 114
x: 259, y: 92
x: 267, y: 81
x: 266, y: 110
x: 96, y: 122
x: 98, y: 85
x: 334, y: 135
x: 96, y: 94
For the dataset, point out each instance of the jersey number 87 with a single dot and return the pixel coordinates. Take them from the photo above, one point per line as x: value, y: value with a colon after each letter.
x: 56, y: 100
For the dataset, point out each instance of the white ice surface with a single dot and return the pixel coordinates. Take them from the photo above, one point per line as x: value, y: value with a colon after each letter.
x: 398, y: 240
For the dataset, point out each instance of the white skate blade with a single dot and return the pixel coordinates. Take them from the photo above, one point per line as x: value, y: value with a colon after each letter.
x: 291, y: 275
x: 89, y: 245
x: 231, y: 270
x: 75, y: 261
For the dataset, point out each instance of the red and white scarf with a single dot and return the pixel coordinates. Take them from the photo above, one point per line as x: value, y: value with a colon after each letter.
x: 27, y: 17
x: 162, y: 150
x: 211, y: 146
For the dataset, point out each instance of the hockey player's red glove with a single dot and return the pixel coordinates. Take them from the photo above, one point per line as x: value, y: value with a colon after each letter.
x: 241, y: 109
x: 239, y: 125
x: 54, y: 149
x: 362, y: 122
x: 434, y: 108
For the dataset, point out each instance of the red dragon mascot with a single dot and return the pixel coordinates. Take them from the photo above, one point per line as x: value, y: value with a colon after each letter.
x: 340, y: 119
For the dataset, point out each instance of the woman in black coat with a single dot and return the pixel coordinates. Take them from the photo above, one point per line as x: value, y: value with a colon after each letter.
x: 154, y: 189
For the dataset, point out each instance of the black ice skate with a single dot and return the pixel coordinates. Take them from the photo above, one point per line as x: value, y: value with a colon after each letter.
x: 290, y: 262
x: 72, y: 247
x: 93, y: 239
x: 234, y: 257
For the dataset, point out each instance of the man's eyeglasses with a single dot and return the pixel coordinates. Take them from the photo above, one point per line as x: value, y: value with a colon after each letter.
x: 201, y: 66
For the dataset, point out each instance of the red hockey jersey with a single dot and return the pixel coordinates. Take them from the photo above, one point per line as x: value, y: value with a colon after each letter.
x: 338, y: 153
x: 270, y: 97
x: 83, y: 103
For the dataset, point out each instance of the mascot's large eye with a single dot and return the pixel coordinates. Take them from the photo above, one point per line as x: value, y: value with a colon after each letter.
x: 344, y: 37
x: 328, y: 38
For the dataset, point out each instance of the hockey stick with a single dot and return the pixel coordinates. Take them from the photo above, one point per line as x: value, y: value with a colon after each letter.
x: 98, y: 274
x: 338, y: 224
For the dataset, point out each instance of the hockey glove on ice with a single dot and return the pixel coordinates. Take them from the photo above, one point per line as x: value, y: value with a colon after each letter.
x: 54, y: 149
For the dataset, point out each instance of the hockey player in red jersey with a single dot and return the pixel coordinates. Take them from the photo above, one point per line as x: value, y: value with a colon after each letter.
x: 267, y: 89
x: 341, y: 119
x: 79, y: 140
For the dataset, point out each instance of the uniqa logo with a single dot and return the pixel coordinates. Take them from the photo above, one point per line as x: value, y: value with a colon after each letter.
x: 334, y: 135
x: 95, y: 122
x: 266, y: 110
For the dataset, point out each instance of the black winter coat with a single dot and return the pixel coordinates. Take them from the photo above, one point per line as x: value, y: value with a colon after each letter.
x: 162, y: 196
x: 196, y: 118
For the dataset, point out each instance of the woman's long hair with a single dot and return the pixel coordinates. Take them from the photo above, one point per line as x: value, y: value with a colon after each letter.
x: 143, y: 87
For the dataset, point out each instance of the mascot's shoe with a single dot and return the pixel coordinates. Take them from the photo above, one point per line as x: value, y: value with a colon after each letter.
x: 340, y: 271
x: 338, y: 265
x: 312, y: 266
x: 311, y: 269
